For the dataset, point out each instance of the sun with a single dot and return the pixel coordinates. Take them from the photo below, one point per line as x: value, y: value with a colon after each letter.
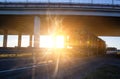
x: 55, y: 37
x: 50, y: 41
x: 59, y: 42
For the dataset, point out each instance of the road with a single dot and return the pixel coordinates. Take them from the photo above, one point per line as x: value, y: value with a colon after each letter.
x: 87, y: 65
x: 63, y: 69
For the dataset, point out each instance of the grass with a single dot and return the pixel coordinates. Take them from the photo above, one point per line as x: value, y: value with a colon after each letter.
x: 105, y: 72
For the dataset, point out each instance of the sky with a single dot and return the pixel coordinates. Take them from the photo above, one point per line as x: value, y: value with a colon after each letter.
x: 45, y: 41
x: 13, y: 39
x: 111, y: 41
x: 73, y: 1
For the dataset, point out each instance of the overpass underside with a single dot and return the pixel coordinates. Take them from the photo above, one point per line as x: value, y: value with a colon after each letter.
x: 41, y: 19
x: 100, y: 19
x: 99, y: 25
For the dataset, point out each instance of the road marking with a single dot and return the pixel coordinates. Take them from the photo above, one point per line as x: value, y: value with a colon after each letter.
x: 23, y: 68
x: 12, y: 59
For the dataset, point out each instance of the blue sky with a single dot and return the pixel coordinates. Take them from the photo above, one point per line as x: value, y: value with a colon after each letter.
x: 74, y: 1
x: 112, y: 41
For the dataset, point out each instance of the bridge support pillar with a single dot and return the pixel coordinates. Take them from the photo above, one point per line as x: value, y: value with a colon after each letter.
x: 36, y: 31
x: 19, y: 40
x: 5, y: 38
x: 30, y: 41
x: 66, y: 41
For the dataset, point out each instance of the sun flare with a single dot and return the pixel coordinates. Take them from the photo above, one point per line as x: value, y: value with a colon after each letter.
x: 52, y: 41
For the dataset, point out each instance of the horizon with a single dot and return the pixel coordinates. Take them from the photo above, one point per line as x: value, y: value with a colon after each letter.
x: 111, y: 41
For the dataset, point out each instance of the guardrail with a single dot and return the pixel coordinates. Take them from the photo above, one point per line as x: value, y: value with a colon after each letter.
x: 58, y: 5
x: 102, y: 2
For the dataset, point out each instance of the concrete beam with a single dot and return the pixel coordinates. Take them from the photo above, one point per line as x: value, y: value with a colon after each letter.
x: 61, y: 12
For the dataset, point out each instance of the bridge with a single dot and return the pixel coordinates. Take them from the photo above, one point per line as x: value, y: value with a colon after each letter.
x: 99, y: 17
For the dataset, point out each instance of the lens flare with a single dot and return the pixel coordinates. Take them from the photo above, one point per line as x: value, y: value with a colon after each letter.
x: 52, y: 41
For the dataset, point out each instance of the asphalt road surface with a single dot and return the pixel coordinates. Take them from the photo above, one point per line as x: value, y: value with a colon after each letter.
x: 76, y: 68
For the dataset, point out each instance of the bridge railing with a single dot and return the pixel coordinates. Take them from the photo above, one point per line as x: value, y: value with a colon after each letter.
x: 101, y: 2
